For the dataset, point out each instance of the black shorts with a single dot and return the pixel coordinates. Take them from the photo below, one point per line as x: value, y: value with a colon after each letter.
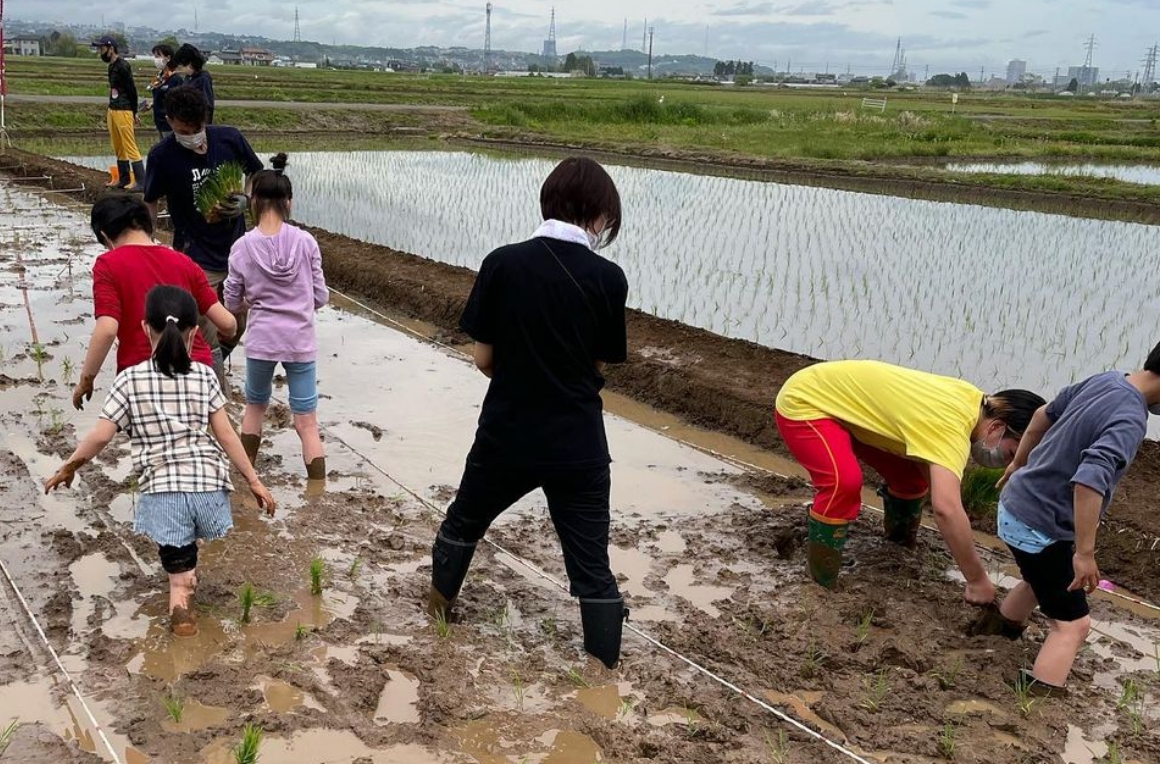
x: 1049, y: 573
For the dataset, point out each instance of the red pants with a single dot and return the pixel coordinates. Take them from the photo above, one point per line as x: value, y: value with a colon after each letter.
x: 828, y: 452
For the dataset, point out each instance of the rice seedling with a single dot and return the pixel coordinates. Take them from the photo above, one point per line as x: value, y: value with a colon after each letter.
x: 949, y: 678
x: 317, y: 571
x: 7, y: 733
x: 1136, y: 718
x: 948, y: 741
x: 548, y: 628
x: 519, y: 689
x: 227, y: 180
x: 576, y: 678
x: 249, y: 598
x: 174, y: 707
x: 442, y: 626
x: 862, y: 631
x: 876, y: 692
x: 980, y: 496
x: 1024, y: 699
x: 67, y: 369
x: 1129, y: 694
x: 40, y: 356
x: 627, y: 705
x: 56, y: 422
x: 1114, y: 755
x: 814, y: 661
x: 354, y: 567
x: 301, y: 632
x: 246, y: 752
x: 778, y: 747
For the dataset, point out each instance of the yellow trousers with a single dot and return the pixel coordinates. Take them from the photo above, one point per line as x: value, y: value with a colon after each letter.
x: 121, y: 131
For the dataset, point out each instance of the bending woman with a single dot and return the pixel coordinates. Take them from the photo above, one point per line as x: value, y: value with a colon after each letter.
x: 917, y: 430
x: 546, y: 315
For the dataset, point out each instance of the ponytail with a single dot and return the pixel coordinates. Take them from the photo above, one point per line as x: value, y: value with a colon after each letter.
x: 171, y: 313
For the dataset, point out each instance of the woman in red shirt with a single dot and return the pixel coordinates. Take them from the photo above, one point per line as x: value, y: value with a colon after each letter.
x: 123, y: 276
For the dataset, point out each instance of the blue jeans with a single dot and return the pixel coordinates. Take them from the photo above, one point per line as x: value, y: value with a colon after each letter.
x: 300, y: 378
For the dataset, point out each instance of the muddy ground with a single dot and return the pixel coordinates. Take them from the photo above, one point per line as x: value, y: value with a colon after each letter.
x: 714, y: 568
x: 710, y: 382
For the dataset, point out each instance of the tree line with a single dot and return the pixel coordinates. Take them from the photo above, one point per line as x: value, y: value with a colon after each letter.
x: 733, y: 68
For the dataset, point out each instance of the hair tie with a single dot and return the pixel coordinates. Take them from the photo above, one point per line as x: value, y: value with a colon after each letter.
x: 173, y: 319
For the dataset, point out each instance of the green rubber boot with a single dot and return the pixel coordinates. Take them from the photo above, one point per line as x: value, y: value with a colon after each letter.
x: 903, y: 518
x: 825, y: 551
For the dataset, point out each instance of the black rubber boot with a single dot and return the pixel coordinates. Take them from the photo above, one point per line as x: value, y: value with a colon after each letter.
x: 251, y: 444
x: 122, y: 175
x: 603, y: 622
x: 903, y: 518
x: 449, y: 563
x: 992, y: 623
x: 138, y: 177
x: 1039, y: 689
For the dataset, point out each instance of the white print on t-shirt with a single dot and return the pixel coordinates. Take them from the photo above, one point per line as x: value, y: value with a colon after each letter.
x: 114, y: 93
x: 199, y: 178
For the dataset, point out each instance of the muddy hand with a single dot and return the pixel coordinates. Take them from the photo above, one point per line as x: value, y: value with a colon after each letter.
x: 981, y: 593
x: 232, y: 207
x: 83, y: 391
x: 64, y: 476
x: 264, y: 497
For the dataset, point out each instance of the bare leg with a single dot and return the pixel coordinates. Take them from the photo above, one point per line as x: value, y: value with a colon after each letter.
x: 253, y: 418
x: 181, y: 588
x: 307, y: 427
x: 1060, y: 649
x: 1019, y: 604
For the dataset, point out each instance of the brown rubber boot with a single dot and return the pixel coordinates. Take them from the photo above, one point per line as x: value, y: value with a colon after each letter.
x: 316, y: 470
x: 182, y: 622
x: 251, y: 443
x: 438, y: 606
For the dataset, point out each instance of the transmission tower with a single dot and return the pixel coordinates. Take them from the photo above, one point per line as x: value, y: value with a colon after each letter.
x: 897, y: 57
x: 297, y: 27
x: 1090, y: 49
x: 1150, y: 67
x: 650, y: 46
x: 624, y: 42
x: 550, y: 43
x: 487, y: 42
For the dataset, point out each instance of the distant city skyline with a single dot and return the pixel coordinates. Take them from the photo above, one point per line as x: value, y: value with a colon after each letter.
x: 944, y: 35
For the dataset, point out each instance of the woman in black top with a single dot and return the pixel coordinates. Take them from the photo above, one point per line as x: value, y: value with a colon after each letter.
x: 190, y: 62
x: 166, y: 80
x: 546, y: 315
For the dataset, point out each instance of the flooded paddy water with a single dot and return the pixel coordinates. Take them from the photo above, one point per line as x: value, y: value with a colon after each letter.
x: 358, y: 674
x: 999, y: 297
x: 1148, y: 175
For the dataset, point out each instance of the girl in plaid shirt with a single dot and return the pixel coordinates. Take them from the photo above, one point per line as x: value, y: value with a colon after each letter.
x: 168, y: 406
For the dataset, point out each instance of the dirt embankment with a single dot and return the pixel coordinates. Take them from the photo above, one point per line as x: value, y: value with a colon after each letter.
x: 710, y: 381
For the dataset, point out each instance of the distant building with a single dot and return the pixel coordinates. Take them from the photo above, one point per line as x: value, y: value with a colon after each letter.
x: 229, y: 57
x: 550, y: 49
x: 1015, y: 71
x: 1087, y: 77
x: 22, y: 46
x: 257, y: 57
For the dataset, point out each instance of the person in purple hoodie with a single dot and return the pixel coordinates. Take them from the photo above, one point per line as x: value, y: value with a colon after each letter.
x: 276, y: 273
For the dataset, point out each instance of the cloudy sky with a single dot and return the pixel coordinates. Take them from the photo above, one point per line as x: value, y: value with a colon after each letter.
x: 942, y: 34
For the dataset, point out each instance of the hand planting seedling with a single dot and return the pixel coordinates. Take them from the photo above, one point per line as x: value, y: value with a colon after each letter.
x: 317, y: 571
x: 246, y: 752
x: 222, y: 194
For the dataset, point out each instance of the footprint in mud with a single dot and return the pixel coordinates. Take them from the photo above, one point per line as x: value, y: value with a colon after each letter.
x: 376, y: 432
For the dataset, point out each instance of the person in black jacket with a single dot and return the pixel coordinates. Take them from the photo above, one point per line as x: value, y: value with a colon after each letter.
x: 546, y: 315
x: 166, y: 80
x: 190, y: 63
x: 122, y: 115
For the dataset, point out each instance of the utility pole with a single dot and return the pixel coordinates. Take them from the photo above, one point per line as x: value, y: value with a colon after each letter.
x: 644, y: 37
x: 487, y: 42
x: 624, y: 42
x: 982, y: 73
x: 650, y: 48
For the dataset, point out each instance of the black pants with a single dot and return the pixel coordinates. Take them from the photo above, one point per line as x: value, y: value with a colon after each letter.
x: 178, y: 559
x: 1049, y: 573
x: 578, y: 501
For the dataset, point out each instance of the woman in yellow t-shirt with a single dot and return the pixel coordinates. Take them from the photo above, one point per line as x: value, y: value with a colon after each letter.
x: 917, y: 430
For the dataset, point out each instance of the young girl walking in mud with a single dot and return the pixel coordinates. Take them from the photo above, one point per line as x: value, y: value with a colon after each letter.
x: 167, y: 405
x: 276, y: 273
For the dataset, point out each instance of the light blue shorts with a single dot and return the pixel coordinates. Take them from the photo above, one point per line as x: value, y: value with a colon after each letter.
x: 180, y: 519
x: 1018, y: 534
x: 300, y: 378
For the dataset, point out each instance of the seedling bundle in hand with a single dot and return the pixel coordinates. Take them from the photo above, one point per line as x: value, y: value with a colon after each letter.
x: 227, y: 181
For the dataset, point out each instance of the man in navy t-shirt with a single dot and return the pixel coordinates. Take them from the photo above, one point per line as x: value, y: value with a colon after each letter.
x: 177, y: 168
x: 1058, y: 489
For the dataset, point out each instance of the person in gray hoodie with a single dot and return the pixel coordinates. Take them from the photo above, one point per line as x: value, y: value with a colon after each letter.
x: 276, y: 274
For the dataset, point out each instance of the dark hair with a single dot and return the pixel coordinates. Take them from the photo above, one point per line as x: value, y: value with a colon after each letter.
x: 170, y: 312
x: 580, y: 191
x: 187, y: 55
x: 1153, y: 362
x: 271, y: 189
x: 163, y: 50
x: 1015, y: 407
x: 186, y: 104
x: 113, y: 214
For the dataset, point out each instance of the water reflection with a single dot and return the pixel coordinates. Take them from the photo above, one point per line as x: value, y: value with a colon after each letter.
x: 996, y: 296
x: 1147, y: 175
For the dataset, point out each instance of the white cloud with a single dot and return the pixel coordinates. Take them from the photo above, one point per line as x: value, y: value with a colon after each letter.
x: 942, y: 34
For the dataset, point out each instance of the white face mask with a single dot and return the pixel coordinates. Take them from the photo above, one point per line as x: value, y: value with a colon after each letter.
x: 159, y: 63
x: 191, y: 142
x: 993, y: 457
